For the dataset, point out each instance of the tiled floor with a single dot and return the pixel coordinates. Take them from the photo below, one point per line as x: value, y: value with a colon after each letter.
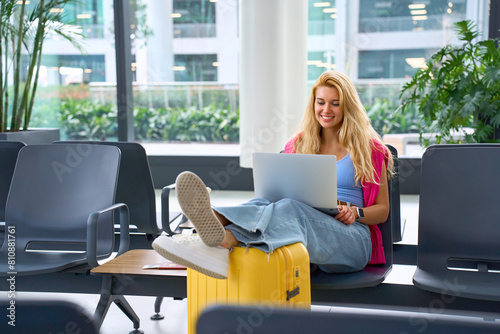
x: 176, y: 311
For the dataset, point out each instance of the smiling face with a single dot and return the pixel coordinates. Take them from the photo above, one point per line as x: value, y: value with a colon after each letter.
x: 327, y: 108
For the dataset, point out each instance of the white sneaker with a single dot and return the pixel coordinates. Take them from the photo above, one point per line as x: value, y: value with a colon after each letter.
x: 194, y: 200
x: 190, y: 251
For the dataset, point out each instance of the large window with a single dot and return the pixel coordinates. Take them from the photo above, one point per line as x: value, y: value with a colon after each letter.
x: 185, y: 61
x: 186, y: 72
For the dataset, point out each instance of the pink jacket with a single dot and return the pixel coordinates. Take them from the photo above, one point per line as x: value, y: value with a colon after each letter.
x: 370, y: 193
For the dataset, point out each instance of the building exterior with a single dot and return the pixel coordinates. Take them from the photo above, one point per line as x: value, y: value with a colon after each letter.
x: 197, y: 40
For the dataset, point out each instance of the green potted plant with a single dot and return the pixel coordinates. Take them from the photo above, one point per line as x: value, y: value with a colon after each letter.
x: 23, y: 29
x: 458, y: 93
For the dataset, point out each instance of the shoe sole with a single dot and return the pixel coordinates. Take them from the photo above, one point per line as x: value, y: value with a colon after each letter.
x: 162, y: 246
x: 194, y: 200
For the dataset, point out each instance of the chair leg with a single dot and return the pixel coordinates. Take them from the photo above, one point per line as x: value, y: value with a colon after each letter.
x: 105, y: 301
x: 157, y: 315
x: 123, y: 305
x: 102, y: 308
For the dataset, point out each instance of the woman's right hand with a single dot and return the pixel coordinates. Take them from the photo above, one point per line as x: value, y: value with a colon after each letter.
x: 346, y: 214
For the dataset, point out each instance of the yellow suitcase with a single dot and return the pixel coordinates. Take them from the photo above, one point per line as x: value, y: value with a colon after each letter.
x: 280, y: 279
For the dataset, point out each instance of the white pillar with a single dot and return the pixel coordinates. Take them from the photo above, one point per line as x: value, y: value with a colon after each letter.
x: 273, y: 73
x: 227, y: 40
x: 353, y: 38
x: 340, y: 36
x: 160, y: 45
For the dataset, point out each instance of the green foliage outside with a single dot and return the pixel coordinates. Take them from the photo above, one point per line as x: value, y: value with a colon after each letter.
x: 385, y: 119
x: 178, y: 113
x: 459, y: 89
x: 210, y: 124
x: 79, y: 117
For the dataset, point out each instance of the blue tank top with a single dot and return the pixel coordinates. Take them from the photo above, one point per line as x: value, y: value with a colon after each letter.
x: 347, y: 191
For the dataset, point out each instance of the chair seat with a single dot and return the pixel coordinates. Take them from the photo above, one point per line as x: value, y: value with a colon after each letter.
x: 467, y: 284
x: 368, y: 277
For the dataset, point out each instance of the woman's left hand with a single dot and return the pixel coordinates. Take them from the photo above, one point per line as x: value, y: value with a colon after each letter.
x: 346, y: 214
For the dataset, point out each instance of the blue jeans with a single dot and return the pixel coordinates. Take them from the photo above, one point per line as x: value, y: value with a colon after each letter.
x: 332, y: 245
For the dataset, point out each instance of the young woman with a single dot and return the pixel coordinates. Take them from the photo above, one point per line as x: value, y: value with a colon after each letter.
x: 335, y: 122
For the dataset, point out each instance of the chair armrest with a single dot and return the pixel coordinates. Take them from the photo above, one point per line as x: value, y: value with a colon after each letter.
x: 165, y: 211
x: 92, y: 222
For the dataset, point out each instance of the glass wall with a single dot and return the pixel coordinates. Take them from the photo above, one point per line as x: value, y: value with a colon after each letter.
x: 180, y: 92
x: 185, y: 62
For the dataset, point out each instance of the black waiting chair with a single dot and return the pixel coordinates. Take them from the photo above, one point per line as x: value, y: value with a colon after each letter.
x: 45, y: 316
x: 59, y: 212
x: 135, y: 188
x: 271, y: 320
x: 55, y: 199
x: 8, y: 157
x: 458, y: 225
x: 371, y: 275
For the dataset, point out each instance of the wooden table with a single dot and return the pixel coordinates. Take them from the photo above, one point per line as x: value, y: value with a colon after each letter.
x: 131, y: 263
x: 129, y: 278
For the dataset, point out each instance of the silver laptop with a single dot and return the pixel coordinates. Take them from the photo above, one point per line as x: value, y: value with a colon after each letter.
x: 308, y: 178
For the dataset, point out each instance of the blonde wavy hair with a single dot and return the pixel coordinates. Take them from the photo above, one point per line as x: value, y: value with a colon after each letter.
x: 356, y: 134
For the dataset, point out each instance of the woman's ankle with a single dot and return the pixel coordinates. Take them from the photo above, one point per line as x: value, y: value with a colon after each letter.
x: 229, y: 241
